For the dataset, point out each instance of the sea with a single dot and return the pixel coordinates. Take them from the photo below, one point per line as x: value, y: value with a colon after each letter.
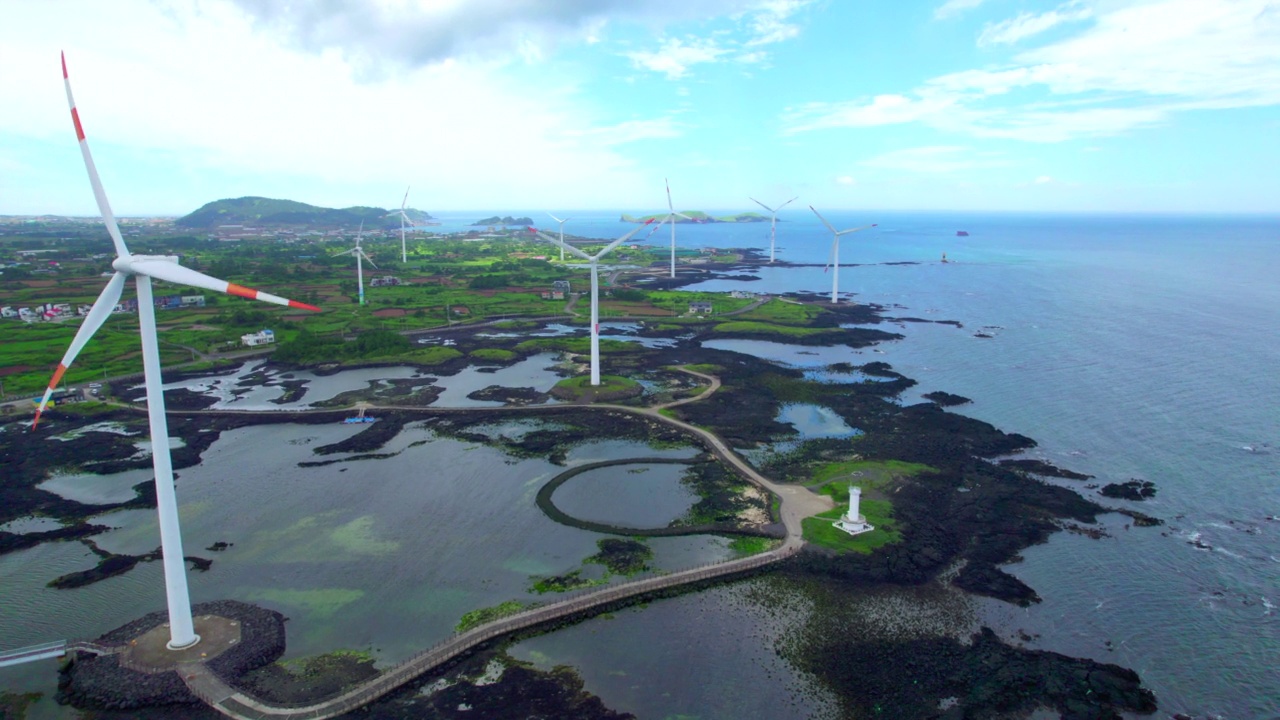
x: 1128, y: 346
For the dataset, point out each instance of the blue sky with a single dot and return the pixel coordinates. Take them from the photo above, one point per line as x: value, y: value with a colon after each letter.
x: 1083, y: 105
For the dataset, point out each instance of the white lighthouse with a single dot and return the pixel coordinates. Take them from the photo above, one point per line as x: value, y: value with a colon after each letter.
x: 853, y: 522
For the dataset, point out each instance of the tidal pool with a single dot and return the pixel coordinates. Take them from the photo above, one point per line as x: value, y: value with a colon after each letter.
x: 643, y: 495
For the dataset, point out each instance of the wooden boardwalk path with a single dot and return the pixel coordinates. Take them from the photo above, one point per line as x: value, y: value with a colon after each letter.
x: 797, y: 503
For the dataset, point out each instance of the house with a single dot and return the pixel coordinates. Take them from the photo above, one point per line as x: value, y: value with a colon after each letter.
x: 562, y: 285
x: 700, y: 308
x: 192, y: 301
x: 742, y: 295
x: 264, y: 337
x: 8, y: 312
x: 384, y: 281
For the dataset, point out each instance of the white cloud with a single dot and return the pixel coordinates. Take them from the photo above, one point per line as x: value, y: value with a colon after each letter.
x: 189, y: 95
x: 769, y: 24
x: 846, y: 180
x: 676, y: 56
x: 411, y: 34
x: 1134, y: 67
x: 934, y: 159
x: 1027, y: 24
x: 1042, y: 180
x: 952, y: 8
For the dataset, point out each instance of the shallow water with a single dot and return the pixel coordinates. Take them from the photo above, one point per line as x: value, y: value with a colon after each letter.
x: 643, y: 495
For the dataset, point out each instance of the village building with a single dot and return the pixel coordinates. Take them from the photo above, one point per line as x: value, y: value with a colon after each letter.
x: 263, y: 337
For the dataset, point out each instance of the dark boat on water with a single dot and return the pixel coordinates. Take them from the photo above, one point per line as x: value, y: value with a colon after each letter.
x: 962, y: 233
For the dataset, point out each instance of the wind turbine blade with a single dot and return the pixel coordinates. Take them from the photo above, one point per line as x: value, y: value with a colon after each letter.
x: 360, y: 232
x: 405, y: 202
x: 766, y: 207
x: 553, y: 217
x: 175, y: 273
x: 824, y: 220
x: 104, y: 207
x: 566, y: 246
x: 669, y: 205
x: 609, y: 248
x: 365, y: 255
x: 98, y: 314
x: 788, y: 202
x: 854, y: 230
x: 686, y: 217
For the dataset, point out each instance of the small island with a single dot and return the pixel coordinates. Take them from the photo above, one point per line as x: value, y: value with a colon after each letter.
x: 697, y: 216
x: 508, y: 220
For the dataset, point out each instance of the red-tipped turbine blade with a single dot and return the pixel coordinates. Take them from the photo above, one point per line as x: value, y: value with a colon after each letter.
x: 104, y: 207
x: 98, y: 314
x: 175, y: 273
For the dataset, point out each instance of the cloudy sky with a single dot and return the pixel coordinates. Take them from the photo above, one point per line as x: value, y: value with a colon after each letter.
x: 1084, y: 105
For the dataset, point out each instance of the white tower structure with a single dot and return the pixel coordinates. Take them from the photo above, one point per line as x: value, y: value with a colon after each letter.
x: 834, y: 262
x: 854, y: 522
x: 143, y: 268
x: 359, y: 253
x: 595, y: 289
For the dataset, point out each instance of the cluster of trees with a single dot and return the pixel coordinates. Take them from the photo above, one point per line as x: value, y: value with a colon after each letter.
x: 308, y: 347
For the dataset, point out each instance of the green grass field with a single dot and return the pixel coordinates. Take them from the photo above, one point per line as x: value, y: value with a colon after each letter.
x: 820, y: 531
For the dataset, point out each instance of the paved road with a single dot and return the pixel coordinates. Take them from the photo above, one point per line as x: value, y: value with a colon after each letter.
x: 797, y: 503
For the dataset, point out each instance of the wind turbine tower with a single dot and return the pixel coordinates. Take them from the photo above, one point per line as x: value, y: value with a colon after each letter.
x: 562, y: 222
x: 404, y: 254
x: 671, y: 216
x: 595, y: 290
x: 142, y: 268
x: 773, y: 222
x: 835, y: 251
x: 359, y: 253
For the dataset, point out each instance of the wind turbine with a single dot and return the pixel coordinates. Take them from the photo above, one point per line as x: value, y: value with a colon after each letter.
x: 835, y: 250
x: 671, y: 216
x: 595, y: 289
x: 773, y: 223
x: 360, y: 253
x: 143, y: 268
x: 404, y: 254
x: 562, y: 222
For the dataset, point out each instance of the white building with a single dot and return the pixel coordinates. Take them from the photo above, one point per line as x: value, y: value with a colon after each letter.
x: 265, y: 337
x: 853, y: 522
x: 8, y: 312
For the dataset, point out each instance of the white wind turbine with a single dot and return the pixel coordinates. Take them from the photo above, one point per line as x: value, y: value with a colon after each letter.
x: 359, y: 253
x: 773, y: 222
x: 835, y: 250
x: 143, y: 268
x: 562, y: 222
x: 404, y: 254
x: 671, y: 217
x: 595, y: 290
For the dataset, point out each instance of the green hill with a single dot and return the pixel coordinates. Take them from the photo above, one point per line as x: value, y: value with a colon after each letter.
x: 697, y: 216
x: 269, y: 211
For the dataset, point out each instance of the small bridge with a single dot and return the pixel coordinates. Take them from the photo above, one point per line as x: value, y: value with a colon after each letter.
x: 46, y: 651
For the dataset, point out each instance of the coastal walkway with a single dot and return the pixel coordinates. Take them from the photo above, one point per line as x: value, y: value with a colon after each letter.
x: 796, y: 503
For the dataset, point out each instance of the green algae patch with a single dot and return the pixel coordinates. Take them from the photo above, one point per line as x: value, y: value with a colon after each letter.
x: 321, y: 603
x: 357, y: 537
x: 623, y: 557
x: 314, y: 539
x: 750, y: 545
x: 564, y: 583
x: 820, y: 531
x: 476, y: 618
